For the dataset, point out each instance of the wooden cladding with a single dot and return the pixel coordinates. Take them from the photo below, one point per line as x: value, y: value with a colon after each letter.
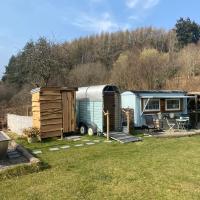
x: 162, y: 106
x: 54, y: 109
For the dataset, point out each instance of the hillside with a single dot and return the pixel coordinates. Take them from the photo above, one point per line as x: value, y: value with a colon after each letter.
x: 145, y: 58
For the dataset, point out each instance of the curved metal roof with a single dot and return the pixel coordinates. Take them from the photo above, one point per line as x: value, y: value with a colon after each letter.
x: 157, y: 93
x: 94, y: 93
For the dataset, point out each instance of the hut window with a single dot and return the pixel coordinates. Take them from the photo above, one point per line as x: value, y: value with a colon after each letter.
x: 172, y: 104
x: 152, y: 104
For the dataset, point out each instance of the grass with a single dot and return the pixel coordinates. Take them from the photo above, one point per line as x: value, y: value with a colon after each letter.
x: 152, y: 169
x: 21, y: 169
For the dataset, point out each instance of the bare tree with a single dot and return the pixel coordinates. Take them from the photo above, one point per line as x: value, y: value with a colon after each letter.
x: 88, y: 74
x: 41, y: 62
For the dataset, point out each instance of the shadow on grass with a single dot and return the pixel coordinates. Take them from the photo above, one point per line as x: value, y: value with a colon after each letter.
x: 23, y: 169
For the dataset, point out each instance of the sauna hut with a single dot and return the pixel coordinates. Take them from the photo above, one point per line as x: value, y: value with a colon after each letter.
x: 153, y: 102
x: 91, y: 102
x: 54, y: 110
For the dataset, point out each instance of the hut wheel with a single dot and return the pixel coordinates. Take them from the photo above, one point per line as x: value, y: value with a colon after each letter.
x: 83, y: 130
x: 90, y: 131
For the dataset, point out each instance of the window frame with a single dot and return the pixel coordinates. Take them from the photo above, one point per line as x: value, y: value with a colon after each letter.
x: 151, y: 110
x: 172, y: 109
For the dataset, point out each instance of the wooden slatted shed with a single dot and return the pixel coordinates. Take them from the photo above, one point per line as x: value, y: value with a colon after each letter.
x: 54, y: 108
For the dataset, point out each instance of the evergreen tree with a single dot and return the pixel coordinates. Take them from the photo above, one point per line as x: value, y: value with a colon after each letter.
x: 187, y: 31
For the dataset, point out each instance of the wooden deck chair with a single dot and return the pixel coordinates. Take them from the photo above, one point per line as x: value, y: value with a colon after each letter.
x: 171, y: 125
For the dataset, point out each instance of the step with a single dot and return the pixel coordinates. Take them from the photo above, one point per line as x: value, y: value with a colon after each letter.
x: 123, y: 137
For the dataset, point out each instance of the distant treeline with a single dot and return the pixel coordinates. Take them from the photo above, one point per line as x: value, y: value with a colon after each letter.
x: 145, y: 58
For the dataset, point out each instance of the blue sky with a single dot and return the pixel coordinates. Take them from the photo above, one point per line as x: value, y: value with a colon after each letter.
x: 60, y: 20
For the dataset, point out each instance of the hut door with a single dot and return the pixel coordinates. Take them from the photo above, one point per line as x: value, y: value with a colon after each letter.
x: 68, y: 107
x: 109, y: 104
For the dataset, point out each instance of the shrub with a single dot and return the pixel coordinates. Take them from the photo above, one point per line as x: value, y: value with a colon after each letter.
x: 31, y: 132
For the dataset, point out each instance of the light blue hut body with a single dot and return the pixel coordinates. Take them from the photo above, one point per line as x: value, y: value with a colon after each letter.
x: 154, y: 102
x: 93, y: 100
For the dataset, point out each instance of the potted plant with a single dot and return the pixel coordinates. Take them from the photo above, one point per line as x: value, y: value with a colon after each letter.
x: 32, y: 134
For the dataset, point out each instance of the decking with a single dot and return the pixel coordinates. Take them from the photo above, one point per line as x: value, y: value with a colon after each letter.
x: 123, y: 137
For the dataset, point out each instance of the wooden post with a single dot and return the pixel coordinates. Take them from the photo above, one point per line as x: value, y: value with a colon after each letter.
x: 61, y: 131
x: 108, y: 124
x: 128, y: 121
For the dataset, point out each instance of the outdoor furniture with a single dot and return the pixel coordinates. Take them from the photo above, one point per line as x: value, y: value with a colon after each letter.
x: 171, y: 115
x: 182, y: 123
x: 171, y: 125
x: 149, y: 120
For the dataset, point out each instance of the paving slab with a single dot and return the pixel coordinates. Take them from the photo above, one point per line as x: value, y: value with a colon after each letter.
x: 86, y: 140
x: 14, y: 156
x: 72, y: 137
x: 96, y: 140
x: 37, y: 152
x: 12, y: 152
x: 78, y: 145
x: 54, y: 149
x: 90, y: 143
x: 107, y: 141
x: 65, y: 147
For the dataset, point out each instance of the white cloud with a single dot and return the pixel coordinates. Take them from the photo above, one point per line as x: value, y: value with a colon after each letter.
x: 104, y: 23
x: 140, y: 8
x: 150, y: 4
x: 96, y: 1
x: 134, y: 17
x: 132, y: 3
x: 97, y: 21
x: 142, y: 4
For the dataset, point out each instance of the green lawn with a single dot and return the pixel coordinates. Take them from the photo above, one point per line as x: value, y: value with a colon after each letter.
x: 152, y: 169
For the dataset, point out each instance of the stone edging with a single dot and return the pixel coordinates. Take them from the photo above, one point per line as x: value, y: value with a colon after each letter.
x: 24, y: 152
